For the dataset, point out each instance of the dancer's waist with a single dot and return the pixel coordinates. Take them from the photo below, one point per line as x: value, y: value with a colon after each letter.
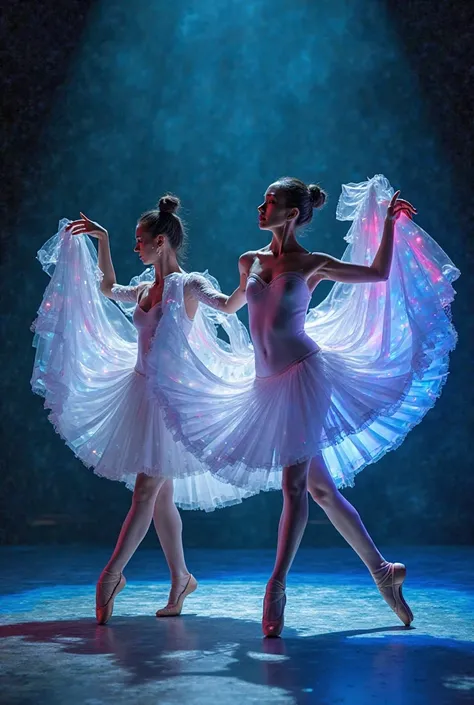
x: 272, y: 360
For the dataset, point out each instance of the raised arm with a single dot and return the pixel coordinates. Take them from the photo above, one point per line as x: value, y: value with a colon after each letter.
x: 327, y: 267
x: 198, y: 288
x: 109, y: 281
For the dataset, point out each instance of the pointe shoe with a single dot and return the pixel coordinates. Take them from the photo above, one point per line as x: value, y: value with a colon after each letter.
x: 275, y: 592
x: 389, y: 579
x: 174, y: 609
x: 104, y: 612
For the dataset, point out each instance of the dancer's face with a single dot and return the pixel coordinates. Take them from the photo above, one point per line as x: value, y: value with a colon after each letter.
x: 274, y: 212
x: 148, y: 247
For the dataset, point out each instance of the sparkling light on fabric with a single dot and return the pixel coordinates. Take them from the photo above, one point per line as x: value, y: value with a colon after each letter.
x: 348, y: 380
x: 90, y: 366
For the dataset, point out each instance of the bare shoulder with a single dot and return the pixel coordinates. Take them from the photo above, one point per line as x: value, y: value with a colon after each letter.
x: 319, y: 260
x: 246, y: 260
x: 319, y: 257
x: 317, y: 263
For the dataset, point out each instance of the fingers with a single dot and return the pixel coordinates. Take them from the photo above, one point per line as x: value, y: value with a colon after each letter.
x: 397, y: 212
x: 78, y: 230
x: 83, y: 219
x: 401, y: 208
x: 84, y: 225
x: 394, y: 198
x: 404, y: 209
x: 395, y: 201
x: 405, y: 204
x: 74, y: 223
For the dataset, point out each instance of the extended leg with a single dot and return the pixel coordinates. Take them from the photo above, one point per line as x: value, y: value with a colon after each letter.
x: 388, y: 577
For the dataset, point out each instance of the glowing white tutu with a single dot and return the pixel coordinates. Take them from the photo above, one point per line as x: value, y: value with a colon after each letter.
x: 382, y: 362
x: 86, y: 352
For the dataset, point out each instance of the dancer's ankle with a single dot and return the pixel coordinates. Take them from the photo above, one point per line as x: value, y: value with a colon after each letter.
x: 277, y: 582
x: 111, y: 571
x: 381, y: 566
x: 179, y: 577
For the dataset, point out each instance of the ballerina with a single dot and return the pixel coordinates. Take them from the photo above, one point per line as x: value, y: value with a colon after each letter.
x: 91, y: 365
x: 331, y: 390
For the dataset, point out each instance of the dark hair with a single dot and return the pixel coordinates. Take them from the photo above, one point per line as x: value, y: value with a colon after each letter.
x: 303, y: 197
x: 163, y: 220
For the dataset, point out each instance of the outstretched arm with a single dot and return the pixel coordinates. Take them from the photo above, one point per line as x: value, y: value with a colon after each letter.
x: 199, y: 288
x: 327, y: 267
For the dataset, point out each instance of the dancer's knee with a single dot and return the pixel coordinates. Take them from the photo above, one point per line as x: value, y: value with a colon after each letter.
x: 165, y: 494
x: 294, y: 484
x: 146, y: 488
x: 323, y: 494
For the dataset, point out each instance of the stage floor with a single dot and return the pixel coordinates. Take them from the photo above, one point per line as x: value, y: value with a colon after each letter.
x: 341, y: 644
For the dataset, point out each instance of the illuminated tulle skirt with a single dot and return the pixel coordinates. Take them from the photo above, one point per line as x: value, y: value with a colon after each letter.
x: 86, y: 351
x: 382, y: 364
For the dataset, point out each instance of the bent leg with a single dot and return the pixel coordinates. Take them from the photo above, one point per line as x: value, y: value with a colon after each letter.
x: 132, y: 533
x: 169, y: 529
x: 137, y: 522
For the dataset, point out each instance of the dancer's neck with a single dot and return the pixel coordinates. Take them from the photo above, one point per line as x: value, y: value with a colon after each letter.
x: 167, y: 264
x: 283, y: 241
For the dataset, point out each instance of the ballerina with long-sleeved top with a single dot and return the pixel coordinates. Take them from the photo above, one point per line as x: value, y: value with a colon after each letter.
x: 91, y: 367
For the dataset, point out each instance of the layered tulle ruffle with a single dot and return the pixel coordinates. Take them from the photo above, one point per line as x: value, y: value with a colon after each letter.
x: 382, y: 364
x: 86, y: 350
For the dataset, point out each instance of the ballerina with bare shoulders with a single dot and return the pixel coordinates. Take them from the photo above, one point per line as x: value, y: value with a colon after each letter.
x: 331, y: 389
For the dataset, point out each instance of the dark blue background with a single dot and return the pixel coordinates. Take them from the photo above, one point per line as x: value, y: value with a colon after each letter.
x: 107, y: 105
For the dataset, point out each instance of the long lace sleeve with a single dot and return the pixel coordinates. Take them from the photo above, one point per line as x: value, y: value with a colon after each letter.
x: 201, y: 288
x: 126, y: 294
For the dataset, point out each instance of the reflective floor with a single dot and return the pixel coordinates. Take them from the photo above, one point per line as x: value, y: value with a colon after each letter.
x: 341, y: 643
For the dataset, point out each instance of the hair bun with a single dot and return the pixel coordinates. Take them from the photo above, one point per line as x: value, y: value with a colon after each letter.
x: 169, y: 203
x: 318, y: 196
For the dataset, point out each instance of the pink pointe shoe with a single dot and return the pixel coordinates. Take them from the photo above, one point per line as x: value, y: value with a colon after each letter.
x: 274, y: 596
x: 108, y: 587
x: 389, y: 579
x: 173, y: 609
